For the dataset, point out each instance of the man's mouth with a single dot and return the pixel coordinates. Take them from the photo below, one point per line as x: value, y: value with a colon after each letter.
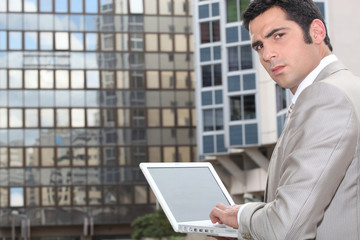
x: 277, y: 70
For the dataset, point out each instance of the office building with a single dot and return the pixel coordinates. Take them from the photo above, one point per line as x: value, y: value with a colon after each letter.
x: 88, y: 90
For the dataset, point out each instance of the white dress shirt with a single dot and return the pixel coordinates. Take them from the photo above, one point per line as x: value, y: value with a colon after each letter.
x: 304, y: 84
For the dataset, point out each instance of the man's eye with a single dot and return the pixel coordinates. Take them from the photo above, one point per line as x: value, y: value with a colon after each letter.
x: 279, y: 35
x: 258, y: 47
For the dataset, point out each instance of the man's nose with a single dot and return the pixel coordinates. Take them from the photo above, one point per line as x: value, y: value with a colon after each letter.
x: 268, y: 54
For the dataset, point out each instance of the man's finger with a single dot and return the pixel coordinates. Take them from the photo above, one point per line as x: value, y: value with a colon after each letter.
x: 216, y: 215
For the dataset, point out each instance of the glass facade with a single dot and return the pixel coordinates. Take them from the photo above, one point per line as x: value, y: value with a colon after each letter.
x: 88, y: 90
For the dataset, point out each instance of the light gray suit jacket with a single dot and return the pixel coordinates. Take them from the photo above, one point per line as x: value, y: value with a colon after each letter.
x: 313, y: 189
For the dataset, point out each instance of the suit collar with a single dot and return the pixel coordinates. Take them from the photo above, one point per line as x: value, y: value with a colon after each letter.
x: 329, y: 70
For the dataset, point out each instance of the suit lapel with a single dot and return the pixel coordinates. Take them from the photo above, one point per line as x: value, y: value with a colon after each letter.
x: 329, y: 70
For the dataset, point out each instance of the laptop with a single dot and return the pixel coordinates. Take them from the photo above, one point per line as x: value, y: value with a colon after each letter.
x: 187, y: 192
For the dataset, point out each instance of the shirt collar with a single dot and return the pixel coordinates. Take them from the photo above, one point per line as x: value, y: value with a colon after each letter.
x: 312, y: 76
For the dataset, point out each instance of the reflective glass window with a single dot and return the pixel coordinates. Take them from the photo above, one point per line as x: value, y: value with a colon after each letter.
x: 62, y: 117
x: 31, y: 118
x: 48, y: 196
x: 30, y: 41
x: 91, y: 6
x: 121, y: 6
x: 16, y: 137
x: 61, y: 79
x: 31, y: 98
x: 77, y: 41
x: 140, y: 194
x: 77, y: 23
x: 76, y: 6
x: 46, y: 5
x: 16, y: 157
x: 79, y: 156
x: 151, y: 42
x: 62, y: 98
x: 15, y: 98
x: 46, y: 79
x: 32, y: 156
x: 15, y: 6
x: 61, y: 41
x: 16, y: 197
x: 62, y: 155
x: 3, y: 41
x: 77, y: 79
x: 30, y: 5
x: 31, y: 79
x: 4, y: 196
x: 93, y: 117
x: 47, y: 117
x: 121, y: 42
x: 94, y: 195
x: 92, y: 79
x: 47, y: 157
x: 166, y: 42
x: 91, y: 41
x: 3, y: 5
x: 77, y: 117
x: 168, y: 117
x: 15, y: 40
x: 93, y: 156
x: 125, y: 194
x: 61, y: 6
x: 15, y: 118
x: 46, y: 41
x: 180, y: 43
x: 32, y: 196
x: 110, y: 195
x: 3, y: 118
x: 64, y: 196
x: 79, y: 195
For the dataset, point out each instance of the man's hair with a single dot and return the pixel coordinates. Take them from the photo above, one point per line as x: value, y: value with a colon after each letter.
x: 303, y: 12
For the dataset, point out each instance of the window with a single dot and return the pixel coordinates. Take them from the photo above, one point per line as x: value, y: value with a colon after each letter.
x: 137, y: 42
x: 231, y: 11
x: 211, y: 75
x: 242, y: 107
x: 210, y: 31
x: 213, y: 119
x: 240, y: 58
x: 281, y: 98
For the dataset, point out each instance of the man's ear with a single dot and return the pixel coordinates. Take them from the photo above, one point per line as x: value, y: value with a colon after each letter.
x: 317, y: 31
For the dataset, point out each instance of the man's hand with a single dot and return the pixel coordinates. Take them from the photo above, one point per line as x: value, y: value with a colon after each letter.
x: 225, y: 215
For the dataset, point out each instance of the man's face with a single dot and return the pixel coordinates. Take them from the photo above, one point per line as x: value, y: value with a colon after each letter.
x: 281, y: 48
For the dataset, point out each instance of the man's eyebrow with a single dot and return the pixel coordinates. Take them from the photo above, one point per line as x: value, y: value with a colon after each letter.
x: 274, y: 31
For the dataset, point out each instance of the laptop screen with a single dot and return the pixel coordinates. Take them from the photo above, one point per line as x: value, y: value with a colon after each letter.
x: 190, y: 192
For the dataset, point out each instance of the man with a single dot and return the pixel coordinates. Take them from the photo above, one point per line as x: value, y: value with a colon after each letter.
x: 313, y: 189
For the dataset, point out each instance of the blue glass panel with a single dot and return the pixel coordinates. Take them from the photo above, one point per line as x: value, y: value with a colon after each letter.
x: 321, y: 7
x: 3, y: 98
x: 61, y: 6
x: 15, y: 40
x: 208, y: 144
x: 244, y: 34
x: 31, y: 98
x: 15, y: 98
x: 4, y: 138
x: 47, y: 98
x: 32, y: 137
x: 206, y: 98
x: 234, y: 84
x: 215, y: 9
x: 3, y: 21
x: 236, y: 135
x: 46, y: 5
x: 16, y: 137
x: 217, y: 52
x: 3, y: 59
x: 220, y: 144
x: 249, y: 82
x: 218, y: 97
x: 91, y: 6
x: 203, y: 11
x: 205, y: 54
x: 77, y: 23
x: 76, y: 6
x: 251, y: 134
x: 3, y: 41
x: 232, y: 34
x: 15, y: 21
x: 31, y: 21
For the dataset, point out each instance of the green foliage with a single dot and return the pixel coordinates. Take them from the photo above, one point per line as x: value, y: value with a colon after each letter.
x: 153, y: 225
